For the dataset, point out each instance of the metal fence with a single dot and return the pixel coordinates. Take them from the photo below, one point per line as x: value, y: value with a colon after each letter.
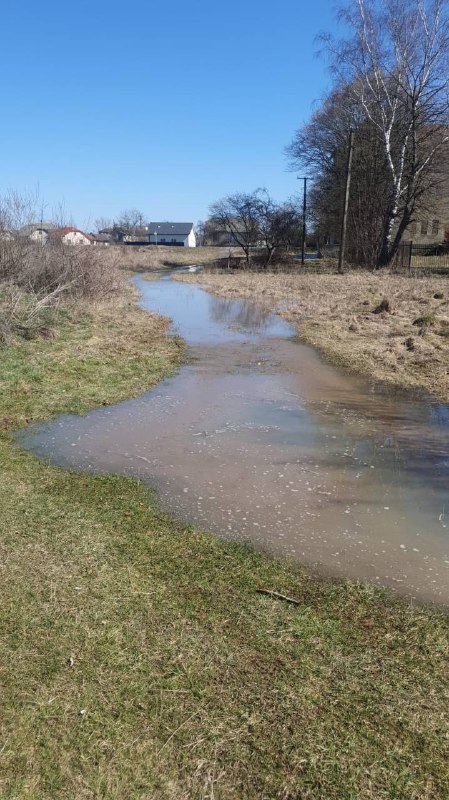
x: 419, y: 258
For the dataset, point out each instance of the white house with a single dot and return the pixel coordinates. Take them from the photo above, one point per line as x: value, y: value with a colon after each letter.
x: 71, y: 236
x: 37, y: 231
x: 179, y: 234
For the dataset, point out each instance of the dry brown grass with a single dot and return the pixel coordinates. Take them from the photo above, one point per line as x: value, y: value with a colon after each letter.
x: 334, y: 313
x: 58, y: 269
x: 36, y: 282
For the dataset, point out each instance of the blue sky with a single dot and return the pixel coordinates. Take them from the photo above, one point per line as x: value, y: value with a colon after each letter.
x: 161, y: 106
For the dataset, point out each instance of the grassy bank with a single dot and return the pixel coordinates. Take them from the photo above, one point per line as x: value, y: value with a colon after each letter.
x: 407, y: 345
x: 138, y: 658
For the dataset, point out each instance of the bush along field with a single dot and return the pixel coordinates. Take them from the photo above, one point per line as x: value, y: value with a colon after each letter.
x: 139, y: 658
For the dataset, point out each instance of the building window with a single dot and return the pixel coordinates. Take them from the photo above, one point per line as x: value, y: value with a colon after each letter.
x: 424, y: 227
x: 412, y: 227
x: 173, y: 241
x: 435, y: 227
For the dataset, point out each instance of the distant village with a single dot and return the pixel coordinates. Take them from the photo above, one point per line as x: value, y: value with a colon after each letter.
x: 177, y: 234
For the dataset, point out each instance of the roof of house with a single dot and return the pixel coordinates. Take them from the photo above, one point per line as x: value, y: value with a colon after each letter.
x: 170, y: 228
x: 59, y: 233
x: 27, y: 230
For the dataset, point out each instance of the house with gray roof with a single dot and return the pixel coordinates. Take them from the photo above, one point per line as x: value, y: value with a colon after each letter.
x: 37, y: 231
x: 177, y: 234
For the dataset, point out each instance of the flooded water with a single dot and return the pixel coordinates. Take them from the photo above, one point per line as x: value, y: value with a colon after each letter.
x: 257, y: 439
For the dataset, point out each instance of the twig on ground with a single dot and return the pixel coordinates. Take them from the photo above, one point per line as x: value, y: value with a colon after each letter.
x: 278, y: 596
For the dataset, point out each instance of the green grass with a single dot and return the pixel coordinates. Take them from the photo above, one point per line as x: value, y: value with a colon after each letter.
x: 90, y: 359
x: 138, y: 659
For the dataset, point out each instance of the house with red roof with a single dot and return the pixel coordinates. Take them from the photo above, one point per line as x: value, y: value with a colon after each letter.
x: 70, y: 236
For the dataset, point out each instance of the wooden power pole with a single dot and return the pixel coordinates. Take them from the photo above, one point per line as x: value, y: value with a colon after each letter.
x: 304, y: 212
x: 344, y: 219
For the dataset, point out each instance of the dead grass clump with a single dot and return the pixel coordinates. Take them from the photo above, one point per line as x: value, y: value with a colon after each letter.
x: 443, y: 328
x: 26, y: 314
x: 427, y: 321
x: 384, y: 305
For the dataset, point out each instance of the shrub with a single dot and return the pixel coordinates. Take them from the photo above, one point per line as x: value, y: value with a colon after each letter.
x: 36, y: 279
x: 57, y: 269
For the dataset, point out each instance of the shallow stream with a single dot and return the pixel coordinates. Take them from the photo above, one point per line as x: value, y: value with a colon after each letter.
x: 256, y: 438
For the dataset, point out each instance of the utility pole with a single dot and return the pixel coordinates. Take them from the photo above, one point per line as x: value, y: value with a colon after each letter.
x: 344, y: 219
x: 304, y: 210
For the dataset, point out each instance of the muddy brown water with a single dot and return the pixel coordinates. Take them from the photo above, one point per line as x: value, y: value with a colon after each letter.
x: 256, y: 438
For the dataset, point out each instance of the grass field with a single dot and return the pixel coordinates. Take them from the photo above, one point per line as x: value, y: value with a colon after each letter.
x: 138, y: 659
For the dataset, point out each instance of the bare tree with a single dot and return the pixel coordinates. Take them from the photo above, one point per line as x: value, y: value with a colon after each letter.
x: 200, y: 232
x: 320, y: 149
x: 60, y: 217
x: 395, y: 64
x: 279, y: 225
x: 130, y: 220
x: 238, y: 215
x: 254, y: 220
x: 17, y: 210
x: 103, y: 223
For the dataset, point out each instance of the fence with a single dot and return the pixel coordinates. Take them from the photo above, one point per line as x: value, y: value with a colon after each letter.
x: 419, y: 258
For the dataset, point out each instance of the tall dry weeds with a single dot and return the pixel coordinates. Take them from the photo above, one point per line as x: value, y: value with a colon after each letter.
x: 36, y: 279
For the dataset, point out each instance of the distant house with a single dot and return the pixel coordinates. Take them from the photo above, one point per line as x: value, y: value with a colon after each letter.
x: 178, y: 234
x: 37, y: 231
x: 118, y: 234
x: 103, y: 239
x: 215, y: 235
x: 428, y: 230
x: 431, y: 224
x: 136, y: 235
x: 71, y: 236
x: 114, y: 234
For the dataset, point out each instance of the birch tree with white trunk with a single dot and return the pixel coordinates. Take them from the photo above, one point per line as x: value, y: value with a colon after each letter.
x: 395, y: 61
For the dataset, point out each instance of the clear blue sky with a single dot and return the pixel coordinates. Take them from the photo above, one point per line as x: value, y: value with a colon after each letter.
x: 161, y: 106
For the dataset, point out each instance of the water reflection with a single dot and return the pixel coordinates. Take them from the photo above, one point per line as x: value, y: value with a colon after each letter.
x: 200, y: 318
x: 239, y: 314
